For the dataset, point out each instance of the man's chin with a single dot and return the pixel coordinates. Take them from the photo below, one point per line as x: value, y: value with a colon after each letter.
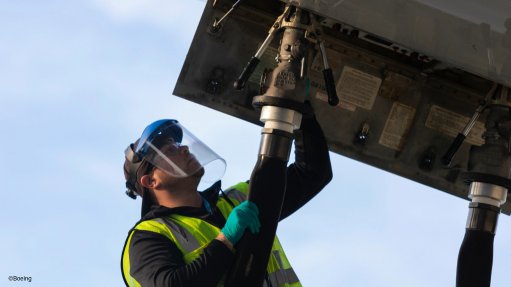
x: 199, y: 173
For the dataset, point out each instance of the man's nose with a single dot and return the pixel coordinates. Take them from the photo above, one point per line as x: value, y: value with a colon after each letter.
x: 184, y: 149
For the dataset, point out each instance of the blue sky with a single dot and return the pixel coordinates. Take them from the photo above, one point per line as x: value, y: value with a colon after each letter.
x: 79, y: 81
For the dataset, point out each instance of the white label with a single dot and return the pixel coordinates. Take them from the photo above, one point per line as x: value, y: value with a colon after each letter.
x: 358, y: 88
x: 397, y: 126
x: 451, y: 124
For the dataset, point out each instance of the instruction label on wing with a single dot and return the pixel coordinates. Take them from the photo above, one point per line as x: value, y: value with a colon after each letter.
x: 451, y: 124
x: 358, y: 88
x: 397, y: 126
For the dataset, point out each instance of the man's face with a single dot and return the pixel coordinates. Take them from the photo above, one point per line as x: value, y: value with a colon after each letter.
x: 170, y: 182
x: 179, y: 162
x: 176, y: 164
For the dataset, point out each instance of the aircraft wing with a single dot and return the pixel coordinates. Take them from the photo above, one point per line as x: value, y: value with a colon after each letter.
x: 409, y: 75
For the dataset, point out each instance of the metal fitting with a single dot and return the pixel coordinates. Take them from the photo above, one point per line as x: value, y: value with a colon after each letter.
x: 483, y: 217
x: 279, y: 118
x: 487, y: 193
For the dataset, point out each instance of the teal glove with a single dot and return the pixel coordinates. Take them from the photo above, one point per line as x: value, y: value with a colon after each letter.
x: 242, y: 217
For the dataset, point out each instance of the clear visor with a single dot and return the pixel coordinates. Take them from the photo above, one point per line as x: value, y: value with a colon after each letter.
x: 175, y: 150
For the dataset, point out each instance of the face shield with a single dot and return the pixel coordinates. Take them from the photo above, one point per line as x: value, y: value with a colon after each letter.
x: 169, y: 146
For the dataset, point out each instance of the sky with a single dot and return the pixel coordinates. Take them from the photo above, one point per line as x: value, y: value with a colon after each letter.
x: 79, y: 80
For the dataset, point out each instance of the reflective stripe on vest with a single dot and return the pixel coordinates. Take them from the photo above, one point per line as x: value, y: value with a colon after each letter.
x: 185, y: 238
x: 191, y: 235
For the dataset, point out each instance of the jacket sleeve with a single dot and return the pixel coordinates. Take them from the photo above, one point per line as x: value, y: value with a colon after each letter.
x: 156, y: 261
x: 311, y: 170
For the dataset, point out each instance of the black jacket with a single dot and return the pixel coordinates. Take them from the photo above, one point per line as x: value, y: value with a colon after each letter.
x: 156, y: 261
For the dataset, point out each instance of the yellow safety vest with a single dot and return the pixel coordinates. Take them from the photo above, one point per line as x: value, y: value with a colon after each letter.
x: 191, y: 235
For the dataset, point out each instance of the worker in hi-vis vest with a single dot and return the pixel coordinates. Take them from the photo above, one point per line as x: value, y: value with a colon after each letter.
x: 188, y: 238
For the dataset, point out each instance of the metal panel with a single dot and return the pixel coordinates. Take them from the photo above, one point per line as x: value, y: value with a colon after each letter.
x: 457, y: 32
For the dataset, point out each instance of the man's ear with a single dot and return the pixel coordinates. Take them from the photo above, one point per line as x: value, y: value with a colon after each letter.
x: 147, y: 181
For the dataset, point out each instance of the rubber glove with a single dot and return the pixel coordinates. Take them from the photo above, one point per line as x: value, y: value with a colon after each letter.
x: 241, y: 217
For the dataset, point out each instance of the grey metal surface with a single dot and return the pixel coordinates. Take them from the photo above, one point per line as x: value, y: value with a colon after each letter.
x: 412, y: 108
x: 469, y: 34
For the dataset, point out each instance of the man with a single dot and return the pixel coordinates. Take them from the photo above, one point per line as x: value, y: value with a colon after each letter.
x: 188, y: 238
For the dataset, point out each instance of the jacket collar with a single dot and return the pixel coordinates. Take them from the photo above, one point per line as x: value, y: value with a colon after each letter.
x: 210, y: 194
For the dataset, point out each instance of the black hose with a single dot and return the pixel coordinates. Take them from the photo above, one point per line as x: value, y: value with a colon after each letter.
x: 267, y: 188
x: 475, y: 259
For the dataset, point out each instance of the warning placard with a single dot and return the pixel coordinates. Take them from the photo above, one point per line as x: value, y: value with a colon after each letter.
x: 397, y: 126
x: 451, y: 124
x: 358, y: 88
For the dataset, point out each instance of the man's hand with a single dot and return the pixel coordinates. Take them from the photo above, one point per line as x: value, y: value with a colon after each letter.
x: 221, y: 237
x: 242, y: 217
